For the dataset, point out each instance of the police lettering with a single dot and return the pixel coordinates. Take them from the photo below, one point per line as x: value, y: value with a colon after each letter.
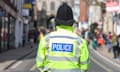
x: 62, y: 47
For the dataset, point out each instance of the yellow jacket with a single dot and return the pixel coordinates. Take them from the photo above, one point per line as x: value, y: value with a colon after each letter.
x: 63, y: 51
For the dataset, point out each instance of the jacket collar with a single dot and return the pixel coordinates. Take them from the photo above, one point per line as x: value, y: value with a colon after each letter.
x: 63, y: 27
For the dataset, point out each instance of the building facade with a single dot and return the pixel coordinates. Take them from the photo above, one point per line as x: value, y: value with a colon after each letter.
x: 24, y: 21
x: 76, y: 9
x: 51, y: 6
x: 112, y: 7
x: 15, y: 17
x: 83, y: 11
x: 47, y: 8
x: 8, y: 16
x: 19, y: 24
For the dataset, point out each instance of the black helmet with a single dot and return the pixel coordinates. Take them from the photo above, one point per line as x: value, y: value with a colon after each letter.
x: 64, y: 15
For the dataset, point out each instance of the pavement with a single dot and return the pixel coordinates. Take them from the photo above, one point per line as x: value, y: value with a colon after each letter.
x: 10, y: 57
x: 108, y: 56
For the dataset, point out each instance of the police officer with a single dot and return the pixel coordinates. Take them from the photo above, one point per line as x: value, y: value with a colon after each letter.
x: 63, y: 50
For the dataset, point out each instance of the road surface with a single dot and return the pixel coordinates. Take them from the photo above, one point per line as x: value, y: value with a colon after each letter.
x: 97, y: 64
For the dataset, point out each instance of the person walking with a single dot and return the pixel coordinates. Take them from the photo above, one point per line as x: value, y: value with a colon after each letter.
x: 63, y: 50
x: 101, y: 41
x: 118, y: 46
x: 114, y: 44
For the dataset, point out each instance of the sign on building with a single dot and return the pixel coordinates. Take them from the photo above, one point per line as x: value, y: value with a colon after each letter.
x: 27, y: 6
x: 112, y: 6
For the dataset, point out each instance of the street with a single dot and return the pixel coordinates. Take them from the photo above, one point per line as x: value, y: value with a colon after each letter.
x: 25, y: 65
x: 28, y: 64
x: 23, y: 23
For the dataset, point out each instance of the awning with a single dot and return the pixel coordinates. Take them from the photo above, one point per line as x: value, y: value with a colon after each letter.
x: 8, y: 9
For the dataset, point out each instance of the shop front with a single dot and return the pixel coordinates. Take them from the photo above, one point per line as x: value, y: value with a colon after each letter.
x: 7, y: 31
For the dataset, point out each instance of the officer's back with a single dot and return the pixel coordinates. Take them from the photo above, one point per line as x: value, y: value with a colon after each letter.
x: 63, y: 50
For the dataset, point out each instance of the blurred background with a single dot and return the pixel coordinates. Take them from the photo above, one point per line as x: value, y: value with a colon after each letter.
x: 21, y: 20
x: 17, y: 17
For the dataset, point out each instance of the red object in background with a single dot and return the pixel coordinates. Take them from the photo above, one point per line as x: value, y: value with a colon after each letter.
x: 110, y: 37
x: 114, y: 3
x: 112, y: 6
x: 4, y: 37
x: 100, y: 41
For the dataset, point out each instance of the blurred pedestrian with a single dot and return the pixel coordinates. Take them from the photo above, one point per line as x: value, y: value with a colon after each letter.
x: 88, y: 36
x: 94, y: 43
x: 109, y: 45
x: 114, y: 44
x: 36, y: 34
x: 31, y: 42
x: 76, y: 29
x: 108, y: 42
x: 101, y: 42
x: 63, y: 50
x: 42, y: 33
x: 24, y: 38
x: 118, y: 45
x: 110, y: 36
x: 31, y: 38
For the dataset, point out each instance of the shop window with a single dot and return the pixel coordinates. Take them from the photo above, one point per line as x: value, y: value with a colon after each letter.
x: 12, y: 32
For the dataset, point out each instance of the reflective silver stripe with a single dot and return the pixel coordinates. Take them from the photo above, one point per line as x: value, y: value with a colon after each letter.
x: 54, y: 58
x: 79, y: 40
x: 84, y: 62
x: 69, y: 37
x: 47, y: 45
x: 45, y: 68
x: 65, y: 70
x: 40, y: 59
x: 77, y: 47
x: 83, y: 70
x: 47, y: 42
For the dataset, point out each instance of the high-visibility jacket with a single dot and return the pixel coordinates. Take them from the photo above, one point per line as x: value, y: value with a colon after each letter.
x: 63, y: 51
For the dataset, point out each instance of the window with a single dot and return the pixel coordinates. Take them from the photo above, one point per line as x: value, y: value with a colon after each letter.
x: 44, y: 6
x: 52, y: 5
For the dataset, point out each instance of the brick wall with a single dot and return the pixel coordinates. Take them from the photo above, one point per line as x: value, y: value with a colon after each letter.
x: 83, y: 11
